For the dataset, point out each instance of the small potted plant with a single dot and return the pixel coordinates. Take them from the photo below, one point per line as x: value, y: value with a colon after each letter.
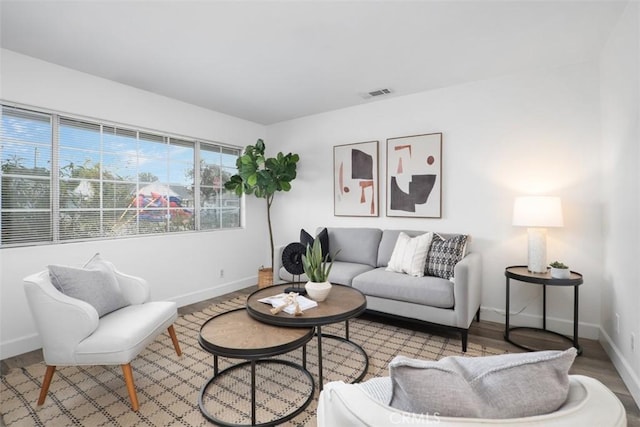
x: 317, y: 270
x: 559, y: 270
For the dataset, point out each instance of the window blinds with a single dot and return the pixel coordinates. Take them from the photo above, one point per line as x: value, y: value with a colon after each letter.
x: 68, y: 179
x: 25, y: 176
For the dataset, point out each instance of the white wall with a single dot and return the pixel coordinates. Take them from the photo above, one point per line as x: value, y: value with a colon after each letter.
x: 183, y: 267
x: 537, y: 132
x: 620, y: 86
x: 531, y: 133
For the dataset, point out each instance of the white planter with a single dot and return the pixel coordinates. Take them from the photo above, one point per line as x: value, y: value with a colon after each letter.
x: 318, y: 291
x: 560, y: 273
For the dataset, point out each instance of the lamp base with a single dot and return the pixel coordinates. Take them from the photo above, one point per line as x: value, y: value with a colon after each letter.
x: 537, y: 259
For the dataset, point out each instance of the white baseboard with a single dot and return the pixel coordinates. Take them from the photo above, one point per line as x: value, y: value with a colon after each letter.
x: 205, y: 294
x: 629, y: 377
x: 563, y: 326
x: 20, y: 346
x: 32, y: 342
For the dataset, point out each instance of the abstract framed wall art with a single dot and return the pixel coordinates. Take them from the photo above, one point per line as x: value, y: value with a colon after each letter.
x: 355, y: 179
x: 414, y: 176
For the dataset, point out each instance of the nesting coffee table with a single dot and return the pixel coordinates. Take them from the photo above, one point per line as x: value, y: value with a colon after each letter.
x: 342, y: 304
x: 235, y: 334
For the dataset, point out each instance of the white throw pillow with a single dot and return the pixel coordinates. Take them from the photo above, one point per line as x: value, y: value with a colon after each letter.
x: 410, y: 254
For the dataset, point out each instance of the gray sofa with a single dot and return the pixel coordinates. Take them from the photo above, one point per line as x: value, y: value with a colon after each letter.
x: 362, y: 261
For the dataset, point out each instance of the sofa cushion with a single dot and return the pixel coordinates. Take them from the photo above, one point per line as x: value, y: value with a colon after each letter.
x: 342, y: 273
x: 283, y: 274
x: 431, y: 291
x: 410, y: 254
x: 359, y: 245
x: 123, y: 334
x: 504, y: 386
x: 444, y: 254
x: 96, y: 285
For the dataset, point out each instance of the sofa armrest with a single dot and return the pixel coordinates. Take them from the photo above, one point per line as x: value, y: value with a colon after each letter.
x: 277, y: 264
x: 589, y: 403
x: 341, y: 404
x: 136, y: 290
x: 467, y: 288
x: 62, y: 321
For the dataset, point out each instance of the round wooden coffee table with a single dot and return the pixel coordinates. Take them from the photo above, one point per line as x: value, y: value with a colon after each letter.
x: 342, y: 304
x: 235, y: 334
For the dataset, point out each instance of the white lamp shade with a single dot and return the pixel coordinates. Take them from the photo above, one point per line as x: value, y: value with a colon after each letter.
x: 537, y: 211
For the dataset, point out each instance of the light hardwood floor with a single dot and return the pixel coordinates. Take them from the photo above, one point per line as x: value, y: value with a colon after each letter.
x: 593, y: 362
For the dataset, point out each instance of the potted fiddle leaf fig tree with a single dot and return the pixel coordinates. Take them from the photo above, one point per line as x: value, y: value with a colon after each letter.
x: 263, y: 177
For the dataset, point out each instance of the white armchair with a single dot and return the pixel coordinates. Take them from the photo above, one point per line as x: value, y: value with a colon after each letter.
x: 589, y: 403
x: 73, y: 334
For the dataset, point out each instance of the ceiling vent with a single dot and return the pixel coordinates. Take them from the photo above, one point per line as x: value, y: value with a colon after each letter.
x: 375, y: 93
x: 380, y: 92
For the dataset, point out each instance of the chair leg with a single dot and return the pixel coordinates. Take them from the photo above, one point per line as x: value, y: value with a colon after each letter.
x: 128, y: 379
x: 46, y: 383
x: 174, y: 338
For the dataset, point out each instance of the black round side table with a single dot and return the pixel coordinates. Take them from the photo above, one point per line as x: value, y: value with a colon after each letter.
x: 237, y: 335
x: 522, y: 274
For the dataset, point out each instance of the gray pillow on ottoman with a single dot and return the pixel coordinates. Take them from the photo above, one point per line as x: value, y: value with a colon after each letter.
x: 96, y: 284
x: 504, y: 386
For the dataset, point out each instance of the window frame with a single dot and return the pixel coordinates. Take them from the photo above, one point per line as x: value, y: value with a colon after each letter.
x: 57, y: 119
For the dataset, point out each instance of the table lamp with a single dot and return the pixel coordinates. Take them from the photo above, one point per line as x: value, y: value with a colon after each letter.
x: 537, y: 213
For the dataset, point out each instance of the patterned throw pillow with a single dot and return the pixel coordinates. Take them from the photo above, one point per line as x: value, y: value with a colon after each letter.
x: 444, y: 255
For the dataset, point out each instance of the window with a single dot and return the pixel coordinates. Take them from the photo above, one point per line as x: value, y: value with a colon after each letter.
x: 25, y: 174
x: 218, y: 208
x: 66, y: 179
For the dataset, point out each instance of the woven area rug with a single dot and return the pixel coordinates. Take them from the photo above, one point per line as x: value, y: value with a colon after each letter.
x: 168, y: 386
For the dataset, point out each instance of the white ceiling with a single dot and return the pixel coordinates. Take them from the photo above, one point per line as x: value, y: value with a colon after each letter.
x: 269, y: 61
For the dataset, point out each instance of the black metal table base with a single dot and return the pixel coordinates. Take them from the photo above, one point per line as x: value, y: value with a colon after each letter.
x: 509, y: 339
x: 320, y: 335
x: 520, y: 273
x: 253, y: 364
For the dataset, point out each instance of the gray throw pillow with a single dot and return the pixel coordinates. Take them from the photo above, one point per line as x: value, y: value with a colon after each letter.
x: 503, y: 386
x: 96, y: 285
